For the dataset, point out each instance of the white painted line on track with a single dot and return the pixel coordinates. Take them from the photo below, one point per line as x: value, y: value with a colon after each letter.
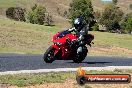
x: 64, y: 70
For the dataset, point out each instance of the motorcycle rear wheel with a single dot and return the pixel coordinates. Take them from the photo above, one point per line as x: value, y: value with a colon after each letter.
x: 49, y: 55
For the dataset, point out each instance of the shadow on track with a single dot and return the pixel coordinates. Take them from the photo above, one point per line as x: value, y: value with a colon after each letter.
x: 92, y: 62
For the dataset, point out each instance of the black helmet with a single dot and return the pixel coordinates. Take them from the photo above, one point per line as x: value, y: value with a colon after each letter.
x: 78, y: 23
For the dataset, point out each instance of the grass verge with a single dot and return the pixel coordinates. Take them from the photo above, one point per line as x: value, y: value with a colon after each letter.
x: 33, y: 79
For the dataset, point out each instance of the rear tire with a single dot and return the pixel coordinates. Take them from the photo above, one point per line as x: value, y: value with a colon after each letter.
x: 49, y: 55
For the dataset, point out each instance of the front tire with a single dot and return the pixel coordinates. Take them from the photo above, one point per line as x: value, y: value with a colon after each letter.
x: 49, y: 55
x: 79, y: 57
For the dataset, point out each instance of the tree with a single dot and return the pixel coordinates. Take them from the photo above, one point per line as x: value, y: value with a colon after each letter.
x: 37, y: 15
x: 115, y: 2
x: 126, y: 23
x: 82, y: 8
x: 111, y: 17
x: 128, y: 26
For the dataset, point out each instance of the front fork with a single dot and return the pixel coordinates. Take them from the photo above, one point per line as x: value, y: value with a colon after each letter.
x: 58, y: 52
x: 82, y: 50
x: 56, y: 49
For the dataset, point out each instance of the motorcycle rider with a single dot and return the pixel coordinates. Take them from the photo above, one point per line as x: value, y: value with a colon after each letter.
x: 81, y: 31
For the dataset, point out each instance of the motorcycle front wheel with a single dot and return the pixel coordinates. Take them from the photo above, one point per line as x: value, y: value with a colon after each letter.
x: 79, y: 58
x: 49, y: 55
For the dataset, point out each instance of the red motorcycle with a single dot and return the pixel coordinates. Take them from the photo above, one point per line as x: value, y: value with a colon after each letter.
x: 64, y: 49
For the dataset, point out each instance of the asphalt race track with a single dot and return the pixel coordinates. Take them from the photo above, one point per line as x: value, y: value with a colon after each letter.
x: 16, y: 62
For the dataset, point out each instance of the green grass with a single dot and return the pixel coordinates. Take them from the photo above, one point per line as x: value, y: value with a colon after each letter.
x: 7, y: 23
x: 25, y: 37
x: 21, y: 37
x: 112, y: 39
x: 100, y: 72
x: 32, y: 79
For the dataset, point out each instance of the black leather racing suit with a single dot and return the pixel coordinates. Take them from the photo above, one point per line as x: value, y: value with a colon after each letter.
x: 81, y: 36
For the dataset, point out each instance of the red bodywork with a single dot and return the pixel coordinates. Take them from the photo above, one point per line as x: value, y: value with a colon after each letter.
x: 65, y: 51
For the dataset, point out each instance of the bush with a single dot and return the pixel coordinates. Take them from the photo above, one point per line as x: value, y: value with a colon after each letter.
x: 129, y: 15
x: 111, y: 17
x: 95, y: 27
x: 81, y: 8
x: 130, y: 6
x: 128, y: 26
x: 16, y: 13
x: 37, y: 15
